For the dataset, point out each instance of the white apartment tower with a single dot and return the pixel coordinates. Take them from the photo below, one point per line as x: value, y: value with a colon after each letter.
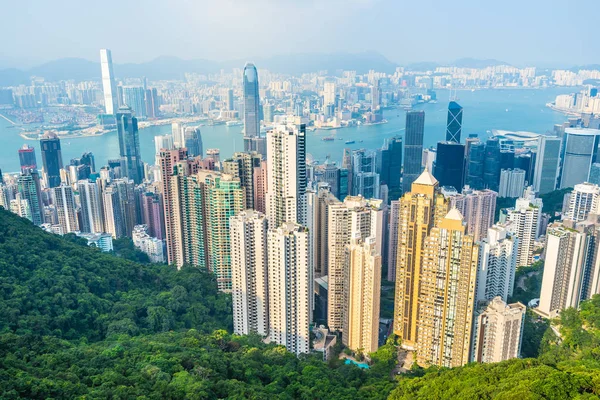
x: 361, y: 326
x: 525, y: 218
x: 290, y: 287
x: 359, y: 218
x: 286, y: 174
x: 584, y: 199
x: 497, y: 264
x: 498, y: 332
x: 571, y: 268
x: 249, y: 273
x: 64, y: 202
x: 92, y: 216
x: 109, y: 86
x: 512, y: 182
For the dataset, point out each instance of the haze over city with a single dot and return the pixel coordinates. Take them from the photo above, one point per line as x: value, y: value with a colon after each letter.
x: 541, y: 33
x: 286, y: 199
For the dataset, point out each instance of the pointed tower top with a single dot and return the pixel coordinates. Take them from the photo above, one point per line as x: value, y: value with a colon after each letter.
x: 454, y: 214
x: 426, y: 178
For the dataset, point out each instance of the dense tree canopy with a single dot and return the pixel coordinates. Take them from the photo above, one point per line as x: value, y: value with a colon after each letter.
x: 78, y: 323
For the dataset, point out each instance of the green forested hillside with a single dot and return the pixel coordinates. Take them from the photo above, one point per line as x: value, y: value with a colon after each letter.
x: 53, y: 286
x: 77, y: 323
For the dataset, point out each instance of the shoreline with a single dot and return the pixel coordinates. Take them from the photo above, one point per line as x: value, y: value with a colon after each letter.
x: 563, y: 111
x: 35, y: 135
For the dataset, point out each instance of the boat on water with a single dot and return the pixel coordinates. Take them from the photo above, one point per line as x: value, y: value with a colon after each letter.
x: 233, y: 123
x: 328, y: 139
x: 350, y: 142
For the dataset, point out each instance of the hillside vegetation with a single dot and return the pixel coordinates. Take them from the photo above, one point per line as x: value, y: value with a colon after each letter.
x: 77, y: 323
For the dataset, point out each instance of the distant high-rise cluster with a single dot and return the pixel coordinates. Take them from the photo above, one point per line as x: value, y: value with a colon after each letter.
x: 301, y: 243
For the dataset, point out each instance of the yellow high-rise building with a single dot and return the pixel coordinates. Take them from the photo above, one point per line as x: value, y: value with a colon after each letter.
x: 446, y: 294
x: 361, y: 325
x: 419, y: 211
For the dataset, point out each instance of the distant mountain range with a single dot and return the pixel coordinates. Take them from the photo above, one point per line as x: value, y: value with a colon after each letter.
x: 167, y: 67
x: 173, y: 67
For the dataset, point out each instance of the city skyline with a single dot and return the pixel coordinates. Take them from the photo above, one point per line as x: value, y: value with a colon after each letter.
x: 282, y: 232
x: 254, y: 21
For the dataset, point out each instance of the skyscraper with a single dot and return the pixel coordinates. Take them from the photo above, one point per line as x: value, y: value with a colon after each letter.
x: 109, y: 87
x: 361, y: 325
x: 167, y: 160
x: 286, y: 174
x: 19, y: 206
x: 152, y: 105
x: 449, y: 164
x: 498, y: 332
x: 478, y: 208
x: 27, y: 158
x: 90, y: 197
x: 584, y: 198
x: 134, y: 97
x: 491, y: 166
x: 497, y: 264
x: 394, y: 215
x: 512, y: 182
x: 329, y: 93
x: 164, y: 142
x: 391, y: 164
x: 580, y: 149
x: 317, y: 206
x: 446, y: 292
x: 290, y: 287
x: 413, y: 147
x: 420, y: 210
x: 251, y: 107
x: 475, y: 165
x: 365, y: 179
x: 51, y: 159
x: 229, y: 103
x: 177, y: 134
x: 153, y: 217
x: 355, y: 218
x: 259, y: 177
x: 64, y: 201
x: 571, y: 268
x: 187, y: 225
x: 113, y: 218
x: 242, y: 166
x: 375, y: 96
x: 226, y: 198
x: 129, y: 145
x: 525, y: 218
x: 193, y: 141
x: 29, y: 188
x: 546, y: 164
x: 249, y: 273
x: 454, y: 123
x: 595, y: 174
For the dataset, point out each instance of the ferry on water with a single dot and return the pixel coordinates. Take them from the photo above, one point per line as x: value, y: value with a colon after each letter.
x: 350, y: 142
x: 328, y: 139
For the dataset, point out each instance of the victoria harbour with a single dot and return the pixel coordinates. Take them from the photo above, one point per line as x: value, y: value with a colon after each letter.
x: 485, y: 110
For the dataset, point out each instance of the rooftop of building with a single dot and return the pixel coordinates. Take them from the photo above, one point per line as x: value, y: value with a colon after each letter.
x: 426, y: 178
x: 582, y: 131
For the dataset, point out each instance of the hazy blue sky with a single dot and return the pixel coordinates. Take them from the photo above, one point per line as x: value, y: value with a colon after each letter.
x: 522, y: 32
